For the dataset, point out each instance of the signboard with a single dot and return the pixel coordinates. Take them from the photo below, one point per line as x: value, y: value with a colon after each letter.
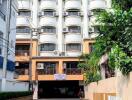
x: 111, y: 97
x: 60, y: 76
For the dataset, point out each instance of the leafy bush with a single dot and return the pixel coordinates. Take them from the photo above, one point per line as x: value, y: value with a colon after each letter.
x: 10, y: 95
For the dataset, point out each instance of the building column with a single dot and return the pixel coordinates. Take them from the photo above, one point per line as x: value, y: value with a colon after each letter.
x: 60, y: 26
x: 3, y: 85
x: 35, y: 92
x: 60, y: 67
x: 85, y: 19
x: 34, y: 66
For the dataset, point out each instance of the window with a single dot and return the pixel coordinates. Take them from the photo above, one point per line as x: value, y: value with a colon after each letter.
x: 23, y: 30
x: 73, y: 47
x: 47, y: 47
x: 73, y: 13
x: 1, y: 42
x: 24, y: 13
x: 91, y: 47
x: 48, y: 29
x: 48, y: 13
x: 22, y: 47
x: 74, y: 29
x: 49, y: 64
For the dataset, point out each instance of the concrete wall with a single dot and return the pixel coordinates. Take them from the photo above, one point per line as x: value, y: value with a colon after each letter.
x: 13, y: 85
x: 16, y: 86
x: 109, y: 86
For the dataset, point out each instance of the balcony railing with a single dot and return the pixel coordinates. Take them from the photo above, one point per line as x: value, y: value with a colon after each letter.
x: 73, y: 71
x: 46, y: 71
x: 22, y: 52
x: 22, y: 71
x: 2, y: 15
x: 22, y: 30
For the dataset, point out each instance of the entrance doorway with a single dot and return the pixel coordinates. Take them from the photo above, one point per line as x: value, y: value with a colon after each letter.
x: 59, y: 89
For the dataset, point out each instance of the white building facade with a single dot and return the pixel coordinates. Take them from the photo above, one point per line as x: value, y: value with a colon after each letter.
x: 61, y: 27
x: 9, y: 84
x: 63, y: 24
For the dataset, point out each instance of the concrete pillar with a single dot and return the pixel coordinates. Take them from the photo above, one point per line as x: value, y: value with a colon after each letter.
x: 3, y: 85
x: 60, y: 67
x: 85, y: 19
x: 35, y: 93
x: 34, y: 66
x: 60, y: 25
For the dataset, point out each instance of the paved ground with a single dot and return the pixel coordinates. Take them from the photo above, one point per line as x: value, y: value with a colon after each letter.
x: 23, y: 98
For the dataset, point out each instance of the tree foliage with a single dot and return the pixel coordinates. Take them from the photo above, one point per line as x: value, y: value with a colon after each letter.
x: 115, y: 34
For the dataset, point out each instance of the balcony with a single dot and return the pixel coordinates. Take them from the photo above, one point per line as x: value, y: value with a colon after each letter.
x: 47, y: 38
x: 73, y: 21
x: 22, y: 71
x: 73, y: 38
x: 73, y: 4
x: 97, y: 4
x: 22, y: 52
x: 48, y: 4
x: 73, y: 71
x: 23, y: 33
x: 23, y: 21
x: 47, y: 21
x: 73, y: 53
x: 46, y: 71
x: 2, y: 22
x: 24, y: 4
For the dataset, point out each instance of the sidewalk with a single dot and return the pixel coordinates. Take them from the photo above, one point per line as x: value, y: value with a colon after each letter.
x: 23, y: 98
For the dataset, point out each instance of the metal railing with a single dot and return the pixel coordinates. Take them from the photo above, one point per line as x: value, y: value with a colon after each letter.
x: 22, y: 71
x: 22, y: 52
x: 46, y: 71
x: 73, y: 71
x: 23, y: 30
x: 2, y: 15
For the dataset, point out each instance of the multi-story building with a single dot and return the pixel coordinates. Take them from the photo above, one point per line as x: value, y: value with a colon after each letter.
x: 8, y: 14
x: 65, y: 30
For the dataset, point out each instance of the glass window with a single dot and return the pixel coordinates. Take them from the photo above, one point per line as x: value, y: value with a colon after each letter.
x: 48, y: 29
x: 72, y: 13
x: 47, y: 47
x: 91, y: 47
x: 24, y: 13
x: 48, y: 13
x: 74, y: 29
x: 23, y: 30
x: 73, y: 47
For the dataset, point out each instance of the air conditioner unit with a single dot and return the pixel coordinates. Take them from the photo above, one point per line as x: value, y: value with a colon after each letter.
x: 62, y: 54
x: 65, y: 30
x: 41, y: 14
x: 1, y: 2
x: 56, y: 52
x: 55, y: 14
x: 40, y: 66
x: 65, y: 13
x: 90, y: 13
x: 41, y: 30
x: 16, y: 63
x: 91, y: 29
x: 80, y: 14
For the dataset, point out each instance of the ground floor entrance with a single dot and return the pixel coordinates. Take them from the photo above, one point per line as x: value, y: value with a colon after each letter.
x: 59, y: 89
